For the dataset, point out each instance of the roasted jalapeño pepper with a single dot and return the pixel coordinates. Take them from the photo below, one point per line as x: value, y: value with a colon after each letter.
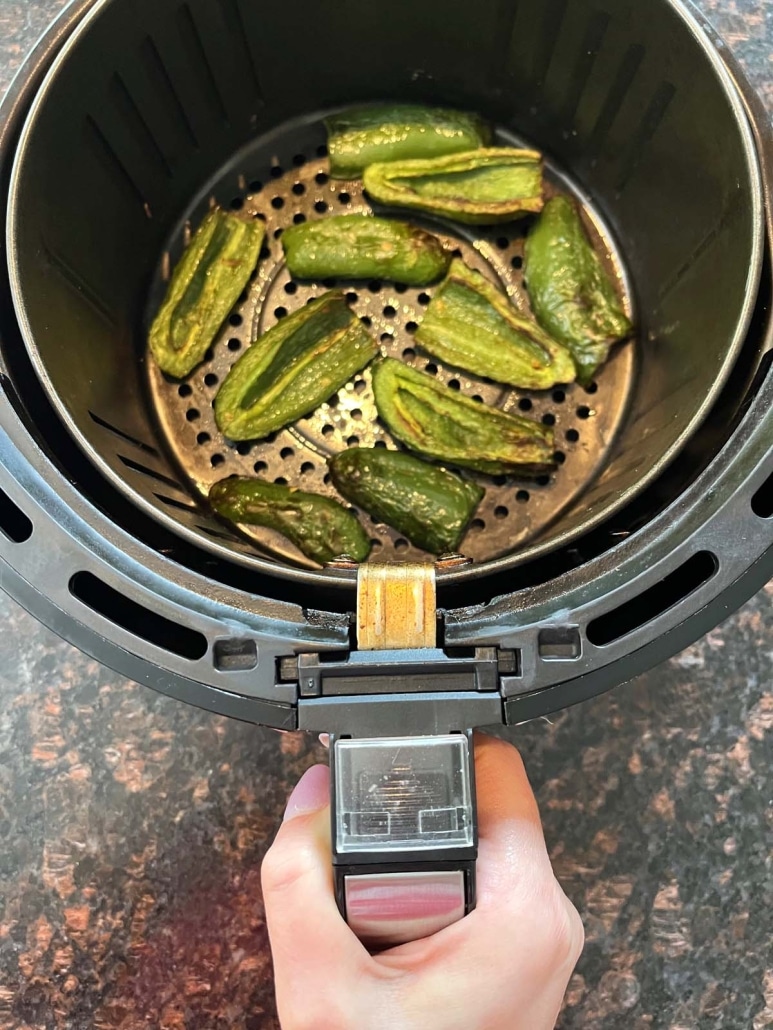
x: 572, y: 295
x: 320, y: 528
x: 361, y: 136
x: 214, y: 269
x: 472, y: 325
x: 482, y: 187
x: 364, y: 247
x: 293, y: 368
x: 439, y: 423
x: 429, y: 506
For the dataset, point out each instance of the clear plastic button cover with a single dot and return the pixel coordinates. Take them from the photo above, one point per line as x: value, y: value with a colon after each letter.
x: 403, y: 794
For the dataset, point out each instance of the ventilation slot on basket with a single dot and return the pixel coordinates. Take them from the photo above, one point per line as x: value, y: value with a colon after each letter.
x: 235, y: 655
x: 135, y: 466
x: 170, y: 502
x: 137, y: 124
x: 13, y: 522
x: 197, y: 55
x: 123, y: 435
x: 654, y: 602
x: 502, y: 37
x: 164, y: 88
x: 651, y: 122
x: 762, y: 502
x: 136, y: 619
x: 235, y: 21
x: 554, y: 15
x: 76, y: 282
x: 113, y: 165
x: 590, y: 48
x: 216, y: 534
x: 626, y: 75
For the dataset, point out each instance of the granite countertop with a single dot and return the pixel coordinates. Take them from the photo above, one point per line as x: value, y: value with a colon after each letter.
x: 133, y: 827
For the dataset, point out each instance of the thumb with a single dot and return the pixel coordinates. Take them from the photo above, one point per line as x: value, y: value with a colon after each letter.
x: 310, y: 942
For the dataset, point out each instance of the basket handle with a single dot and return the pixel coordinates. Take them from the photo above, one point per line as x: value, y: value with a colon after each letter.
x: 404, y: 834
x: 404, y: 820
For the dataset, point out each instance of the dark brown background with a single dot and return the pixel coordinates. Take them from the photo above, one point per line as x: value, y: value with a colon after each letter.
x: 132, y: 828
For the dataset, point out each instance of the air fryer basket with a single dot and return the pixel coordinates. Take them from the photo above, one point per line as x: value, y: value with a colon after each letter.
x: 148, y: 111
x: 154, y: 109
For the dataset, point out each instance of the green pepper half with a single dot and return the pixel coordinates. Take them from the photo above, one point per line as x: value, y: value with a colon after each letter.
x: 439, y: 423
x: 214, y: 269
x: 483, y: 187
x: 364, y: 247
x: 293, y: 368
x: 471, y: 325
x: 362, y: 136
x: 320, y: 528
x: 572, y: 295
x: 429, y: 506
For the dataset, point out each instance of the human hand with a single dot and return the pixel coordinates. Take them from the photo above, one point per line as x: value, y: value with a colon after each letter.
x: 504, y: 967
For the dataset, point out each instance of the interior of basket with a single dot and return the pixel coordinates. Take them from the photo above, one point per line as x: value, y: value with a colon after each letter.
x: 156, y: 107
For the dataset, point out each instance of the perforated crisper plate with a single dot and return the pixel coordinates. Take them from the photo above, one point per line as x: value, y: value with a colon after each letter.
x: 284, y: 180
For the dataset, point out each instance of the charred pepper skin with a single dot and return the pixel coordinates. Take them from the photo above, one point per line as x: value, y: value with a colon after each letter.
x: 472, y: 325
x: 362, y: 136
x: 426, y: 504
x: 572, y: 295
x: 481, y: 187
x: 209, y: 279
x: 293, y: 368
x: 364, y: 247
x: 439, y: 423
x: 320, y: 528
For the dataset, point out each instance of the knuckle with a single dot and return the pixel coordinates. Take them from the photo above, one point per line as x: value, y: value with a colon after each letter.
x: 282, y: 869
x: 565, y: 932
x: 578, y: 931
x: 328, y: 1013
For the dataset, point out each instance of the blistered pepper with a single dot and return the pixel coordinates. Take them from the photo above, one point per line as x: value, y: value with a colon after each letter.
x: 483, y: 187
x: 429, y: 506
x: 472, y: 325
x: 293, y: 368
x: 362, y: 136
x: 364, y: 247
x: 209, y: 279
x: 573, y: 296
x: 320, y: 528
x: 439, y: 423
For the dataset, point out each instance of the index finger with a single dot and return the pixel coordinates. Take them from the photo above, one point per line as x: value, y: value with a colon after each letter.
x: 512, y: 850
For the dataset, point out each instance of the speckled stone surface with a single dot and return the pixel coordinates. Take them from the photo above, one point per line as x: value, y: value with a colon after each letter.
x: 132, y: 828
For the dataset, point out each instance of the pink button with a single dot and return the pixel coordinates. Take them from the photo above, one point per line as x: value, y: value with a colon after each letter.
x: 387, y: 909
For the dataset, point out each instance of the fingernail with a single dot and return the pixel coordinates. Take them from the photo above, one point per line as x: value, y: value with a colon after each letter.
x: 311, y: 794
